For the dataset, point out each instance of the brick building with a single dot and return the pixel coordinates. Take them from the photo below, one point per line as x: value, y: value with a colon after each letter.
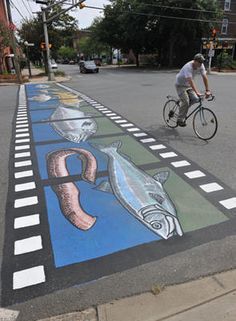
x: 225, y: 32
x: 6, y: 63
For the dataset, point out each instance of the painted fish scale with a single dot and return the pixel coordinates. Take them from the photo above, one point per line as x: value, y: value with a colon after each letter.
x: 142, y: 195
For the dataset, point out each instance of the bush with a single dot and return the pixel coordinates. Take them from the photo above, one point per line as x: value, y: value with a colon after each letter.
x: 224, y: 60
x: 59, y: 73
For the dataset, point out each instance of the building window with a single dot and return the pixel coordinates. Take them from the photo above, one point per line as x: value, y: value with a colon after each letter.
x: 227, y: 5
x: 224, y: 27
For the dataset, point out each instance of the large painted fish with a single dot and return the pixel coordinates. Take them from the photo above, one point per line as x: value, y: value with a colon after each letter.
x: 41, y: 98
x: 141, y: 194
x: 70, y: 122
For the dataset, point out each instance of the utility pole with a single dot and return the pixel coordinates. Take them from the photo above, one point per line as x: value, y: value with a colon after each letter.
x: 51, y: 75
x: 13, y: 43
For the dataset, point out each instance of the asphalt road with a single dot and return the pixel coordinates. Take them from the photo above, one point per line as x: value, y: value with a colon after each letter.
x: 139, y: 96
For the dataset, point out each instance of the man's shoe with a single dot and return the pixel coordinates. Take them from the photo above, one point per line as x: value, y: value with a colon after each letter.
x: 181, y: 123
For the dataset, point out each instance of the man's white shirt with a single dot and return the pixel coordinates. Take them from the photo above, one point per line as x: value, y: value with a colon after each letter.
x: 187, y: 71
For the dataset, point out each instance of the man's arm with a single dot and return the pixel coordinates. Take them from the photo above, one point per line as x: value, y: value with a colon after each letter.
x: 205, y: 80
x: 192, y: 84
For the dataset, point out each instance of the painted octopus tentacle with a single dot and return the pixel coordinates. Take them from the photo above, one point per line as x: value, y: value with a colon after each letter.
x: 68, y: 193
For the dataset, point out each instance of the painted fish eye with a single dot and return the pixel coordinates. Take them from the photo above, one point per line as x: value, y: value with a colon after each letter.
x: 86, y: 123
x: 156, y: 225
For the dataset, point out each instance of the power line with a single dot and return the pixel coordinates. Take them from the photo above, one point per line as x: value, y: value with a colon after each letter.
x: 12, y: 4
x: 164, y: 16
x: 26, y: 7
x: 28, y: 1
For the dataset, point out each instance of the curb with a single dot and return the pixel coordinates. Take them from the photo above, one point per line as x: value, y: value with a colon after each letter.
x: 206, y: 299
x: 86, y: 315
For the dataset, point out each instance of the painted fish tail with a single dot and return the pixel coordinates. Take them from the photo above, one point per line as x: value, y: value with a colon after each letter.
x: 113, y: 146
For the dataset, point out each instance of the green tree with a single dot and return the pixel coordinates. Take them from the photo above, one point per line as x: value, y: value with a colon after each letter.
x: 171, y: 27
x: 67, y: 53
x: 5, y: 41
x: 61, y: 32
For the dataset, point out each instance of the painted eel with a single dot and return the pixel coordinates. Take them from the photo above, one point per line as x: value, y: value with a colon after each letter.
x: 67, y: 193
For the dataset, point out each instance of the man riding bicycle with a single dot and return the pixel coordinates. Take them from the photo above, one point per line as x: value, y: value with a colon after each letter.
x: 186, y: 87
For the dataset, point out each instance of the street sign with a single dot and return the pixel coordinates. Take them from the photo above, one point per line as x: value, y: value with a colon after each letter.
x: 211, y: 53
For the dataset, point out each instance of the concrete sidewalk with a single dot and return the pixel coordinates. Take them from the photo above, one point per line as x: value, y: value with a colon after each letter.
x: 208, y: 299
x: 38, y: 76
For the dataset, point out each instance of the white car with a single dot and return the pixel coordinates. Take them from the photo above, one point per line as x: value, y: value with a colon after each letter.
x: 53, y: 64
x: 88, y: 66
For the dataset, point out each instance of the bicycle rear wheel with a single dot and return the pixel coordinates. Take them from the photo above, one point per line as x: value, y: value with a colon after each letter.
x: 205, y: 123
x: 170, y: 113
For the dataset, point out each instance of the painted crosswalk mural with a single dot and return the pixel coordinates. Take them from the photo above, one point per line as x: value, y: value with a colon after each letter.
x: 91, y: 194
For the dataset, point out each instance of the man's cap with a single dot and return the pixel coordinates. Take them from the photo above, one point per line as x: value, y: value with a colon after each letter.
x: 199, y: 57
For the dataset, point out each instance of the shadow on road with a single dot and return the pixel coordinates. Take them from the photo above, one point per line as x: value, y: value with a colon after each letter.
x: 168, y: 135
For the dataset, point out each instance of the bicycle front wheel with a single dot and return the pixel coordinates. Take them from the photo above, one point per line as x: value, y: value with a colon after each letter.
x: 205, y: 123
x: 170, y: 113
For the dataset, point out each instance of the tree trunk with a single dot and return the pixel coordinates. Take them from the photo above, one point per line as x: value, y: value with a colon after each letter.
x: 171, y: 51
x: 137, y: 59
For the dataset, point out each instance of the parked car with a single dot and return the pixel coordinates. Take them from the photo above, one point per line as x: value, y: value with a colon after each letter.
x: 88, y: 66
x: 53, y: 64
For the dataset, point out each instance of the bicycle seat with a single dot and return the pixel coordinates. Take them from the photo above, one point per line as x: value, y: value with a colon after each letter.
x: 173, y: 97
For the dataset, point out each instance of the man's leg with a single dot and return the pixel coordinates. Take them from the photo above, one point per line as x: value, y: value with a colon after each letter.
x: 184, y: 103
x: 193, y: 98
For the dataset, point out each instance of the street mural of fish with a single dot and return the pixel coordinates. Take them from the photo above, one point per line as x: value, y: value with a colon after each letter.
x: 68, y: 193
x: 142, y: 195
x: 41, y: 98
x: 70, y: 122
x: 42, y: 86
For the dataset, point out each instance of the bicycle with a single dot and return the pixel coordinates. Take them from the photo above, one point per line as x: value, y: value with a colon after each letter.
x: 205, y: 123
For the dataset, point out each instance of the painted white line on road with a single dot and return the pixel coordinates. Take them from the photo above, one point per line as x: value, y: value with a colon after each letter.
x: 20, y: 155
x: 28, y: 277
x: 194, y: 174
x: 26, y: 201
x: 133, y: 129
x: 116, y: 117
x: 22, y: 126
x: 211, y: 187
x: 30, y: 244
x: 25, y: 186
x: 22, y: 130
x: 121, y: 121
x: 26, y: 221
x: 106, y: 111
x: 19, y: 141
x: 111, y: 114
x: 147, y: 140
x: 182, y: 163
x: 22, y: 135
x: 21, y: 118
x: 229, y: 203
x: 22, y: 147
x: 157, y: 147
x: 127, y: 125
x: 168, y: 155
x: 140, y: 134
x: 22, y: 164
x: 23, y: 174
x: 103, y: 109
x: 21, y: 114
x: 22, y: 122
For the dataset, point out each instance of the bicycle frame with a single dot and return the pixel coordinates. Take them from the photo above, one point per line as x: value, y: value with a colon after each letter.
x: 199, y: 107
